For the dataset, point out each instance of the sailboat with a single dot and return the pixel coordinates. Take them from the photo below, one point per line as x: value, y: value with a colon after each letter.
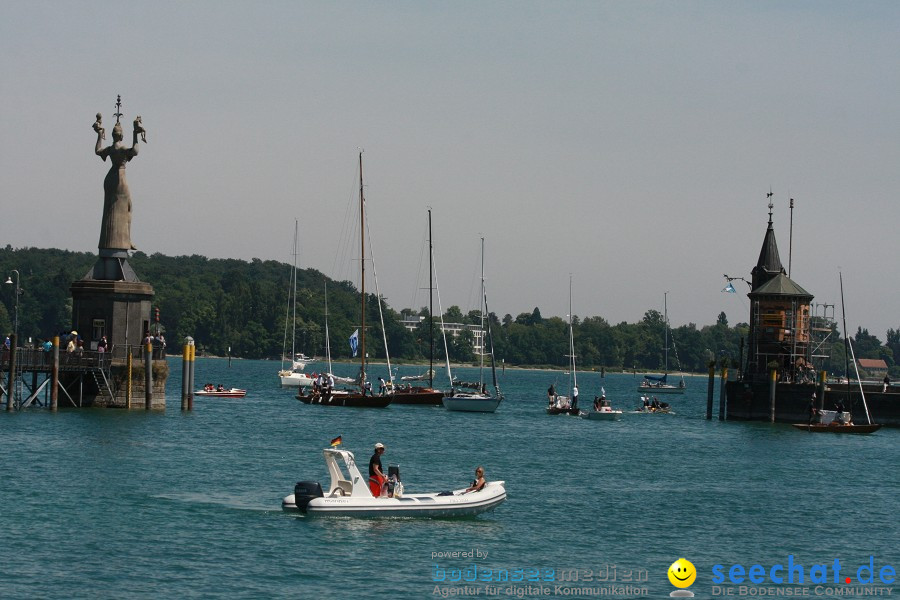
x: 479, y: 400
x: 660, y: 385
x: 840, y: 421
x: 416, y: 394
x: 362, y: 395
x: 567, y: 405
x: 294, y: 376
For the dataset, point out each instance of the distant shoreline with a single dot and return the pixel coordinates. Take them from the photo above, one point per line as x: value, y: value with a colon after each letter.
x: 470, y: 366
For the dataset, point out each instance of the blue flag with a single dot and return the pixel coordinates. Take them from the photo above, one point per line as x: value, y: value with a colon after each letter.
x: 354, y: 342
x: 729, y: 288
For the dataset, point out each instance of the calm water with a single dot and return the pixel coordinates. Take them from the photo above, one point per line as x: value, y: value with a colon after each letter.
x: 102, y: 503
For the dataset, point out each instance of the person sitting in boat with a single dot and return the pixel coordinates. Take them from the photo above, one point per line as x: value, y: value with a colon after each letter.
x: 208, y: 387
x: 377, y: 480
x: 220, y: 388
x: 479, y: 482
x: 551, y: 395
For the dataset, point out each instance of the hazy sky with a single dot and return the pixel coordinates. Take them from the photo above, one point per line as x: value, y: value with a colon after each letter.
x: 630, y: 144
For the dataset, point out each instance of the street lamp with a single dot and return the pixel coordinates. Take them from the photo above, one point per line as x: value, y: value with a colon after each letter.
x: 18, y: 291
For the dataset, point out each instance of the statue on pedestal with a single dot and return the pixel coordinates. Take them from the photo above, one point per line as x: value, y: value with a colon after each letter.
x: 115, y: 228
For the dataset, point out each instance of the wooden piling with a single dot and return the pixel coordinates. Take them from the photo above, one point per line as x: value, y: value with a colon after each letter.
x: 10, y: 388
x: 723, y: 398
x: 710, y: 387
x: 184, y: 375
x: 823, y: 377
x: 191, y: 377
x: 54, y: 376
x: 773, y: 382
x: 148, y: 375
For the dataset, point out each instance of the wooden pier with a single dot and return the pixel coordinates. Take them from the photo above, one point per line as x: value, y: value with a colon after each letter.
x: 86, y: 378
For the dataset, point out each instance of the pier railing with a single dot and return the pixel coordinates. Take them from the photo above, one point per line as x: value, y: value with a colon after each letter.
x: 37, y: 359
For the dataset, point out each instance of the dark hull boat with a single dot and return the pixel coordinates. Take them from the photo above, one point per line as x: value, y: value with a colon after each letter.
x: 836, y: 428
x: 338, y: 398
x: 418, y: 395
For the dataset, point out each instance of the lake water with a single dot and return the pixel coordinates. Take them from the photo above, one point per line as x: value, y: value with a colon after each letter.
x: 115, y: 504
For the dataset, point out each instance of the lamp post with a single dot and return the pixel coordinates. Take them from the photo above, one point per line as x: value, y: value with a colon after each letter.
x: 18, y: 291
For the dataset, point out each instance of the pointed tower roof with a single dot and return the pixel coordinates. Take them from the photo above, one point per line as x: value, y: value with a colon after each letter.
x: 769, y: 263
x: 781, y: 285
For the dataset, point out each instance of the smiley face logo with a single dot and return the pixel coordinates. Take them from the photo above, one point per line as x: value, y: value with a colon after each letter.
x: 682, y: 573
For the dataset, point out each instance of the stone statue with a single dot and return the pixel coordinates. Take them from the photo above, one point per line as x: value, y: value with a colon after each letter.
x: 115, y: 229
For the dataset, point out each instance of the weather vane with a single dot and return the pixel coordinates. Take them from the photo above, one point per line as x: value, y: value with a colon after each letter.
x: 730, y: 279
x: 118, y: 112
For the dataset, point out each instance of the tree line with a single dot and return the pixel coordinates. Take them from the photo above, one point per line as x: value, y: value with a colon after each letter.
x: 242, y: 308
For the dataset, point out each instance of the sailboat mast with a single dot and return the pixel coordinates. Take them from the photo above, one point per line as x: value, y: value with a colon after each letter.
x: 483, y: 306
x: 294, y: 295
x: 362, y: 276
x: 572, y: 341
x: 430, y: 302
x: 327, y: 335
x: 666, y: 323
x: 851, y: 354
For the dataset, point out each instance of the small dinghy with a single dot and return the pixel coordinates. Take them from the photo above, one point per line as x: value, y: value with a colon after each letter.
x: 348, y: 495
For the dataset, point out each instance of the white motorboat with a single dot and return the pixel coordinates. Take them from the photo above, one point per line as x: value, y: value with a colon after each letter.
x: 348, y: 495
x: 602, y: 411
x: 604, y: 414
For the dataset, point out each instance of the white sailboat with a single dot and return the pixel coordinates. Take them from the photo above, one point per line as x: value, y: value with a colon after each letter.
x: 294, y: 376
x: 660, y: 385
x: 557, y: 403
x: 479, y: 400
x: 840, y: 421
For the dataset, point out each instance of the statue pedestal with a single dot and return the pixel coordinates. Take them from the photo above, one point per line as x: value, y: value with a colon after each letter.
x: 120, y: 310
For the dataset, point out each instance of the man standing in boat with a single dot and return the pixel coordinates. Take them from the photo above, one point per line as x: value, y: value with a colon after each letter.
x: 376, y: 471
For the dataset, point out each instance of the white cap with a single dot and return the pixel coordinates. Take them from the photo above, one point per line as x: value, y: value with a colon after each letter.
x: 379, y: 445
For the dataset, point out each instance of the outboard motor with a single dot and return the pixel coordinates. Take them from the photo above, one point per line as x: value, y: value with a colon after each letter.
x: 395, y: 488
x: 305, y: 491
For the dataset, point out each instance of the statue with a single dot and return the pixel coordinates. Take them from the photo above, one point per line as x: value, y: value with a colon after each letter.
x: 115, y: 228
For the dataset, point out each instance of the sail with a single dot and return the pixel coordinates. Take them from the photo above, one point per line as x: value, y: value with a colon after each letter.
x: 660, y: 379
